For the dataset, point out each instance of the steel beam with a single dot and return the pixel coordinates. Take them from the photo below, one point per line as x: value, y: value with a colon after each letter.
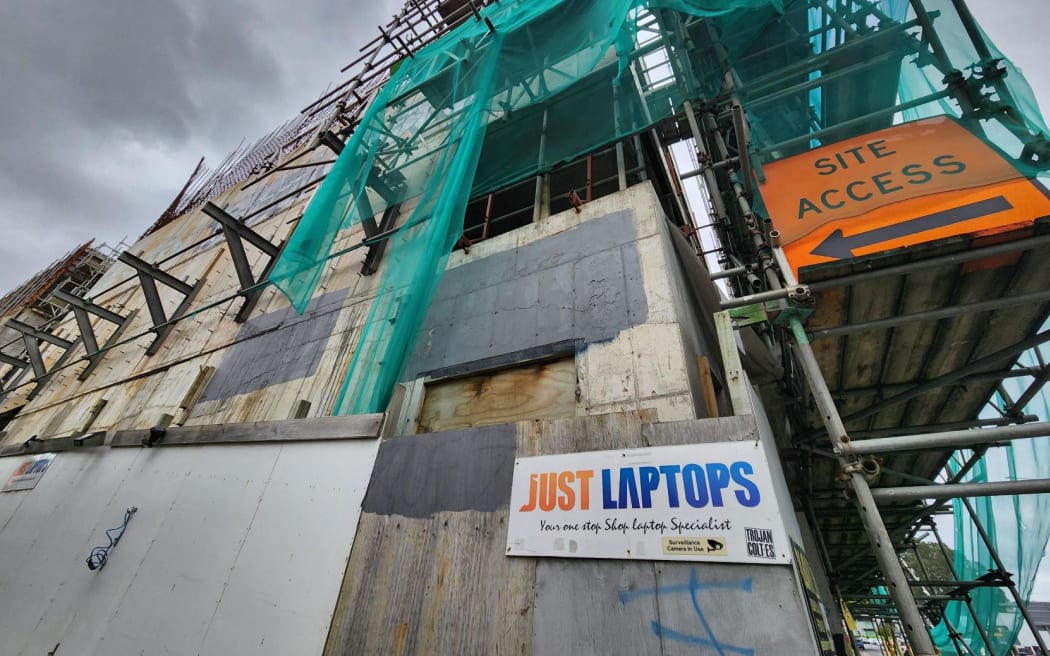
x: 236, y: 233
x: 81, y: 307
x: 149, y: 275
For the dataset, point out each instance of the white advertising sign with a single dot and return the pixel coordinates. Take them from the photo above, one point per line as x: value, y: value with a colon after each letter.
x: 711, y: 502
x: 29, y: 473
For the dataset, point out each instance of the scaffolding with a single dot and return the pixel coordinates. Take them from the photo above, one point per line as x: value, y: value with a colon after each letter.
x: 888, y: 359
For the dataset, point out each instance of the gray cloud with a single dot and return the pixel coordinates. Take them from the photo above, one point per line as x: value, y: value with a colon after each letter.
x: 107, y: 105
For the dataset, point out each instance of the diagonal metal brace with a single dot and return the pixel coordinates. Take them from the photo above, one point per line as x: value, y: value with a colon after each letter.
x: 81, y: 307
x: 149, y: 275
x: 236, y: 233
x: 32, y: 337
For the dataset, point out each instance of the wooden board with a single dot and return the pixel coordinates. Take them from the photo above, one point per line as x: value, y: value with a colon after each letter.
x: 439, y: 582
x: 545, y: 390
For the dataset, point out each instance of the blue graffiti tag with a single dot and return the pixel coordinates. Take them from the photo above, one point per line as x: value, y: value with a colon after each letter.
x: 692, y: 589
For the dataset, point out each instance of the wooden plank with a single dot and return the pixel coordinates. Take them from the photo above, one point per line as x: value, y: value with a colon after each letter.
x: 739, y: 393
x: 707, y: 385
x: 285, y: 430
x: 546, y: 390
x: 595, y: 433
x: 440, y: 585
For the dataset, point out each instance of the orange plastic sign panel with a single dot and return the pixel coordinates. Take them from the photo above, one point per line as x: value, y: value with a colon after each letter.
x: 897, y: 187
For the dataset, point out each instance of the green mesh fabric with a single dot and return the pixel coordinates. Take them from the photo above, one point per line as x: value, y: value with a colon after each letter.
x: 554, y: 79
x: 419, y: 147
x: 1019, y: 527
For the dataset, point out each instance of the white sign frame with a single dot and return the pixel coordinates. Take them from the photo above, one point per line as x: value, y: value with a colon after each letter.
x: 735, y: 518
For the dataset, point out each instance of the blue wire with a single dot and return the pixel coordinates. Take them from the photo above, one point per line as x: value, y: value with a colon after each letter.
x: 99, y: 555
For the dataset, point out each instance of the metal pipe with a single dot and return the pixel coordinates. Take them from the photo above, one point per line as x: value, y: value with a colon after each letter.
x: 488, y: 216
x: 743, y: 141
x: 537, y: 205
x: 994, y: 553
x: 860, y: 120
x: 959, y: 439
x: 969, y: 604
x: 728, y: 273
x: 866, y: 435
x: 940, y: 313
x: 709, y: 175
x: 1033, y: 389
x: 958, y: 490
x: 878, y: 537
x: 761, y: 297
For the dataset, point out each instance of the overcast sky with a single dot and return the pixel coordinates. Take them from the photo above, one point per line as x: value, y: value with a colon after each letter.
x: 107, y: 105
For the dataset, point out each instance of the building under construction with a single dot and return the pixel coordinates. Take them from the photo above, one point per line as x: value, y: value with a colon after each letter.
x: 597, y: 326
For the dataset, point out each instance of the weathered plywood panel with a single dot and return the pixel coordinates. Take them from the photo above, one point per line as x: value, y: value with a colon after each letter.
x: 428, y: 572
x: 546, y: 389
x: 440, y: 585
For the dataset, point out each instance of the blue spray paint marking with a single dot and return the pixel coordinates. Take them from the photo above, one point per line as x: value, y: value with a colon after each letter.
x: 693, y: 588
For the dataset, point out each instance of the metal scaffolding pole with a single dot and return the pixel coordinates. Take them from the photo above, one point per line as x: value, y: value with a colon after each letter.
x: 878, y: 536
x: 1014, y: 592
x: 969, y: 604
x: 962, y: 438
x: 897, y: 582
x: 961, y: 490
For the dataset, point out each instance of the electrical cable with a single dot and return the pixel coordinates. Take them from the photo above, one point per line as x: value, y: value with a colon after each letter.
x: 99, y: 555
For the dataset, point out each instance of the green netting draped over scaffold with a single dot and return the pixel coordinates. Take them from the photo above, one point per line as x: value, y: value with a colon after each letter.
x: 1018, y: 526
x: 540, y: 82
x: 497, y: 81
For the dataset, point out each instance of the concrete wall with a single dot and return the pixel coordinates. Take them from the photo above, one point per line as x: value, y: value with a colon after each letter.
x: 604, y: 279
x: 233, y: 550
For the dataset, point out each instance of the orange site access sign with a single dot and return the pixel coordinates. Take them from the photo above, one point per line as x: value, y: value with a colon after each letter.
x: 905, y: 185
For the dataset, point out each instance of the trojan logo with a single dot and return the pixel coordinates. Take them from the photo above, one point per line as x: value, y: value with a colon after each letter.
x: 698, y: 486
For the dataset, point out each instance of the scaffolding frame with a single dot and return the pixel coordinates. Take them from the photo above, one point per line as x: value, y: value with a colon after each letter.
x: 754, y: 264
x: 751, y: 248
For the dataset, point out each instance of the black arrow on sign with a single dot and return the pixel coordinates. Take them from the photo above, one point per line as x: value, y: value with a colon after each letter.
x: 839, y: 247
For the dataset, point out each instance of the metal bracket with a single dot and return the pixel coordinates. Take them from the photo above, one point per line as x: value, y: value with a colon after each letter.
x: 149, y: 275
x: 32, y: 338
x: 785, y: 311
x: 236, y: 233
x: 81, y: 307
x: 749, y: 314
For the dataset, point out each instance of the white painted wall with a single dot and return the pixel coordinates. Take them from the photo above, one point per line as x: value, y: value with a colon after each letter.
x: 234, y: 549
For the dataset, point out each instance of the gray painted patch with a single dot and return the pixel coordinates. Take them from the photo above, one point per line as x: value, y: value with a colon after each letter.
x: 583, y: 284
x: 276, y: 348
x: 616, y: 607
x: 419, y: 475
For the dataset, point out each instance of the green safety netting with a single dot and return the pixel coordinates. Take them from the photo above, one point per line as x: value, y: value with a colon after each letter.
x: 1018, y: 527
x: 541, y: 82
x: 554, y: 63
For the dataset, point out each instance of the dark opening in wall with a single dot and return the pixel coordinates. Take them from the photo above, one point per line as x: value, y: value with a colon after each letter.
x: 591, y: 176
